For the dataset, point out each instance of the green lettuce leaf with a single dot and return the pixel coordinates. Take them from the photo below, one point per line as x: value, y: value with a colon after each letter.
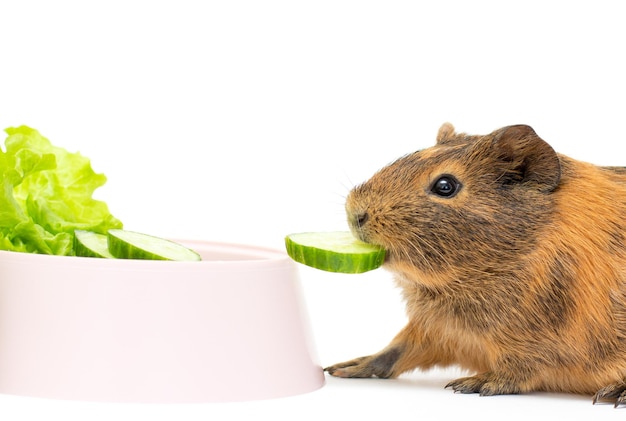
x: 46, y: 194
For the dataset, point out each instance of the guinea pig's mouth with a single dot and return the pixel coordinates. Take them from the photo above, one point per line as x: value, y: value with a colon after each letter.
x: 356, y: 223
x: 358, y: 233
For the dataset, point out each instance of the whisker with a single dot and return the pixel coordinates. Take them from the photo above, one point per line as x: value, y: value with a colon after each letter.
x: 350, y: 184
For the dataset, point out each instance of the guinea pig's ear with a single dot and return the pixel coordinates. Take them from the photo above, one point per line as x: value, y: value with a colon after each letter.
x: 530, y: 157
x: 446, y: 132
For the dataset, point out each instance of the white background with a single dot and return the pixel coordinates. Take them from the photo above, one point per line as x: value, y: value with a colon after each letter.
x: 243, y: 121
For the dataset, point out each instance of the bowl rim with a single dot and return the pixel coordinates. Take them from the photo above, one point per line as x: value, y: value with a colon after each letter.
x: 244, y: 255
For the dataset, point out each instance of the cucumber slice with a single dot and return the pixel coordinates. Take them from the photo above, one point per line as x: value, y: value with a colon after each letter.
x: 134, y: 245
x: 91, y: 244
x: 336, y: 251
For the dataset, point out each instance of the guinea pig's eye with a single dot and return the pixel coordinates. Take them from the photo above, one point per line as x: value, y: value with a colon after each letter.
x: 445, y: 186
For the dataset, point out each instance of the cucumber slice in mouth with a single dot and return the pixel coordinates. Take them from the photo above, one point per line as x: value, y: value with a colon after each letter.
x: 335, y: 251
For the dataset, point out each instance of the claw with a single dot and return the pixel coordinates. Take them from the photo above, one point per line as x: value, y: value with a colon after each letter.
x: 467, y: 384
x: 621, y: 400
x: 614, y: 393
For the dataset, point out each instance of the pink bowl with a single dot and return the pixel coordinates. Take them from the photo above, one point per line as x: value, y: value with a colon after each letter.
x: 230, y: 328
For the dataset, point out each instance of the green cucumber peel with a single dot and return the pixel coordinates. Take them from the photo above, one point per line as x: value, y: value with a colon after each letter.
x: 125, y: 244
x: 335, y: 251
x: 91, y: 244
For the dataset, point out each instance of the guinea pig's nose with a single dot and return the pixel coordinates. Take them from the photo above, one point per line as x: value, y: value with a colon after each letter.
x: 361, y: 219
x: 357, y: 220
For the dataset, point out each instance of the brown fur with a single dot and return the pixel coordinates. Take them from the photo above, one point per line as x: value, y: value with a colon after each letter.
x: 520, y: 277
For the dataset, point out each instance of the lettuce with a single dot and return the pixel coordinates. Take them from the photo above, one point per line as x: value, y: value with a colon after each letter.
x: 46, y: 194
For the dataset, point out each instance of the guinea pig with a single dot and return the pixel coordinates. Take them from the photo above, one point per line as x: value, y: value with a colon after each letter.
x: 511, y: 259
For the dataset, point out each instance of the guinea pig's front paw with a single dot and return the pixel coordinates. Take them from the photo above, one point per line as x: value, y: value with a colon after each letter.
x: 485, y: 384
x: 614, y: 393
x: 379, y: 365
x: 356, y: 368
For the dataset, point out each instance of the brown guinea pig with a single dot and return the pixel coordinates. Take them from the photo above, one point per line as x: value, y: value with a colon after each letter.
x: 512, y: 262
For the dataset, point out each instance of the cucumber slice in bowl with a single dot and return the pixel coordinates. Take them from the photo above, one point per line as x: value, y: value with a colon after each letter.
x: 134, y: 245
x: 91, y: 244
x: 335, y: 251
